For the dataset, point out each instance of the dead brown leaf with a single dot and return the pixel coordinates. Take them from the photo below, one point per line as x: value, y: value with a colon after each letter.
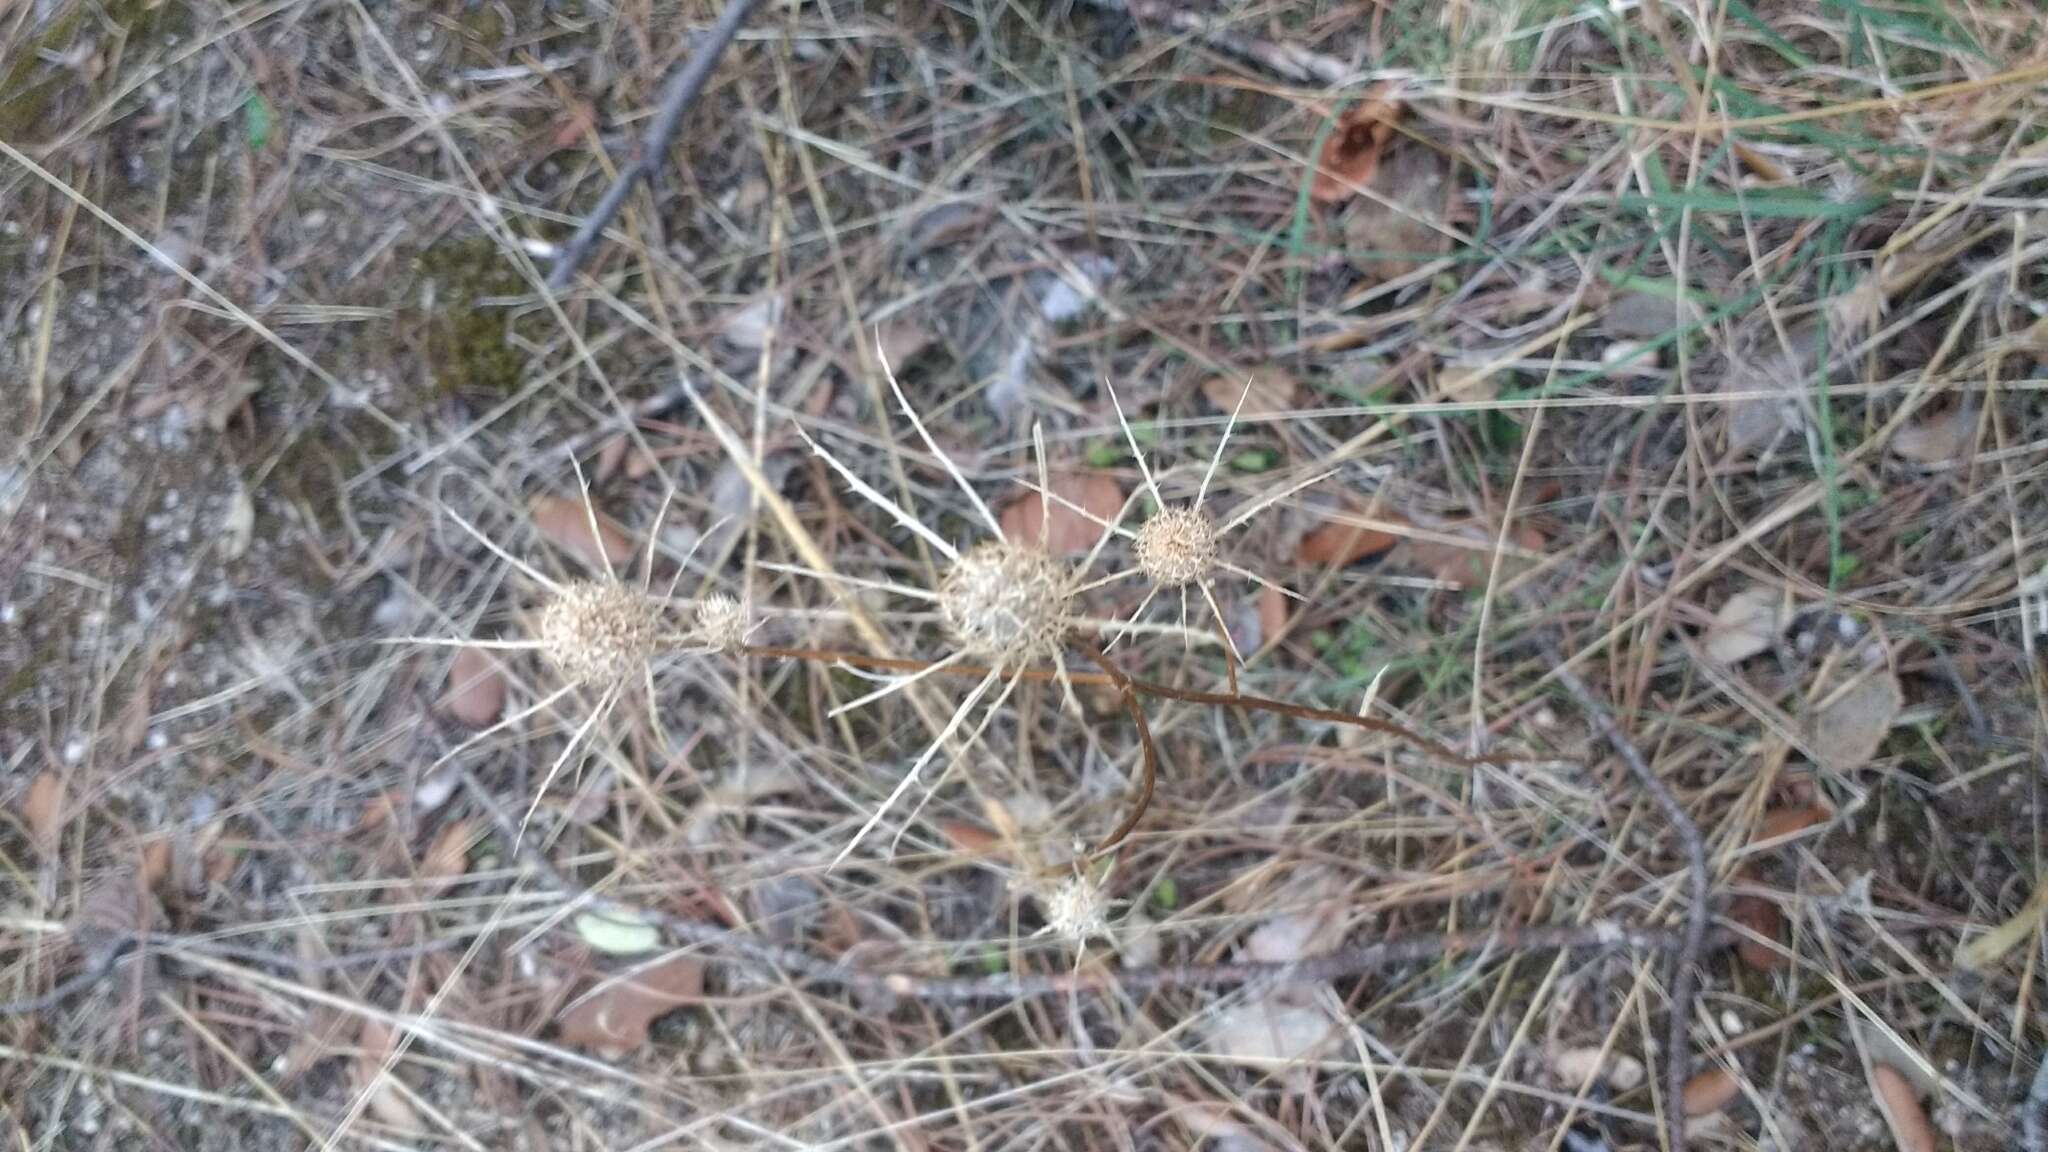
x: 612, y: 1018
x: 1781, y: 822
x: 1337, y: 542
x: 1767, y: 385
x: 1850, y: 724
x: 565, y: 523
x: 1938, y: 439
x: 1351, y: 152
x: 448, y: 856
x: 155, y: 865
x: 1273, y: 613
x: 476, y: 688
x: 1748, y: 623
x: 1070, y: 532
x: 1266, y: 392
x: 387, y: 1103
x: 42, y: 809
x: 970, y: 838
x: 1900, y: 1103
x: 1275, y: 1026
x: 1644, y: 315
x: 900, y: 340
x: 1709, y: 1091
x: 1761, y: 916
x: 1574, y: 1067
x: 1388, y: 236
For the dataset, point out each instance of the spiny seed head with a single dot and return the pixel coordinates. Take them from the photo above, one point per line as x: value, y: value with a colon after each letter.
x: 1076, y: 909
x: 1006, y: 604
x: 1177, y: 547
x: 722, y: 623
x: 599, y: 632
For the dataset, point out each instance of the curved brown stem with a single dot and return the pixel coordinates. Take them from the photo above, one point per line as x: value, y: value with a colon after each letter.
x: 1152, y: 688
x: 1148, y: 753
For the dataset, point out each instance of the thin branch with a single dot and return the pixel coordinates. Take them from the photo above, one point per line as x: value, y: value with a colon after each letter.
x: 1154, y: 689
x: 1678, y: 1042
x: 1148, y: 753
x: 681, y: 92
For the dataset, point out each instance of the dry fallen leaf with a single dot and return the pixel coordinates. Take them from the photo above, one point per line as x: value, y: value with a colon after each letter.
x: 1779, y: 823
x: 1390, y: 236
x: 1265, y: 392
x: 1938, y: 439
x: 901, y: 339
x: 42, y: 809
x: 1851, y: 724
x: 1309, y: 918
x: 1273, y: 613
x: 1709, y: 1091
x: 1767, y: 387
x: 970, y: 838
x: 476, y: 688
x: 1646, y: 315
x: 1747, y: 624
x: 618, y: 931
x: 238, y: 527
x: 1351, y: 152
x: 1271, y: 1027
x: 1575, y: 1066
x: 1762, y: 917
x: 565, y: 523
x: 1070, y: 532
x: 448, y: 856
x: 1337, y: 543
x: 750, y: 327
x: 1900, y: 1104
x: 387, y: 1103
x: 613, y: 1018
x: 155, y: 863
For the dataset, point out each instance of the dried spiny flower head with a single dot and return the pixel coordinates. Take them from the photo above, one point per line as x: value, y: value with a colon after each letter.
x: 722, y: 623
x: 599, y: 632
x: 1076, y: 909
x: 1006, y: 604
x: 1177, y: 546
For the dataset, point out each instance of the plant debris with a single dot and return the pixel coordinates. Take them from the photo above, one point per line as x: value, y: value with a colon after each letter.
x: 1351, y: 152
x: 613, y: 1017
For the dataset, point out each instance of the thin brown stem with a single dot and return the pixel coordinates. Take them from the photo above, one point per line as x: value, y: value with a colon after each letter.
x: 1151, y: 688
x: 1148, y: 753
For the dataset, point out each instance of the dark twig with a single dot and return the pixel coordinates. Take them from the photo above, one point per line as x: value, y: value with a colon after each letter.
x: 1152, y: 688
x: 681, y: 92
x: 1678, y: 1044
x: 1148, y: 753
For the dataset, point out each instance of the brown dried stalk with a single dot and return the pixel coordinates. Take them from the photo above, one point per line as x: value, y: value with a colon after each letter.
x: 1132, y: 689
